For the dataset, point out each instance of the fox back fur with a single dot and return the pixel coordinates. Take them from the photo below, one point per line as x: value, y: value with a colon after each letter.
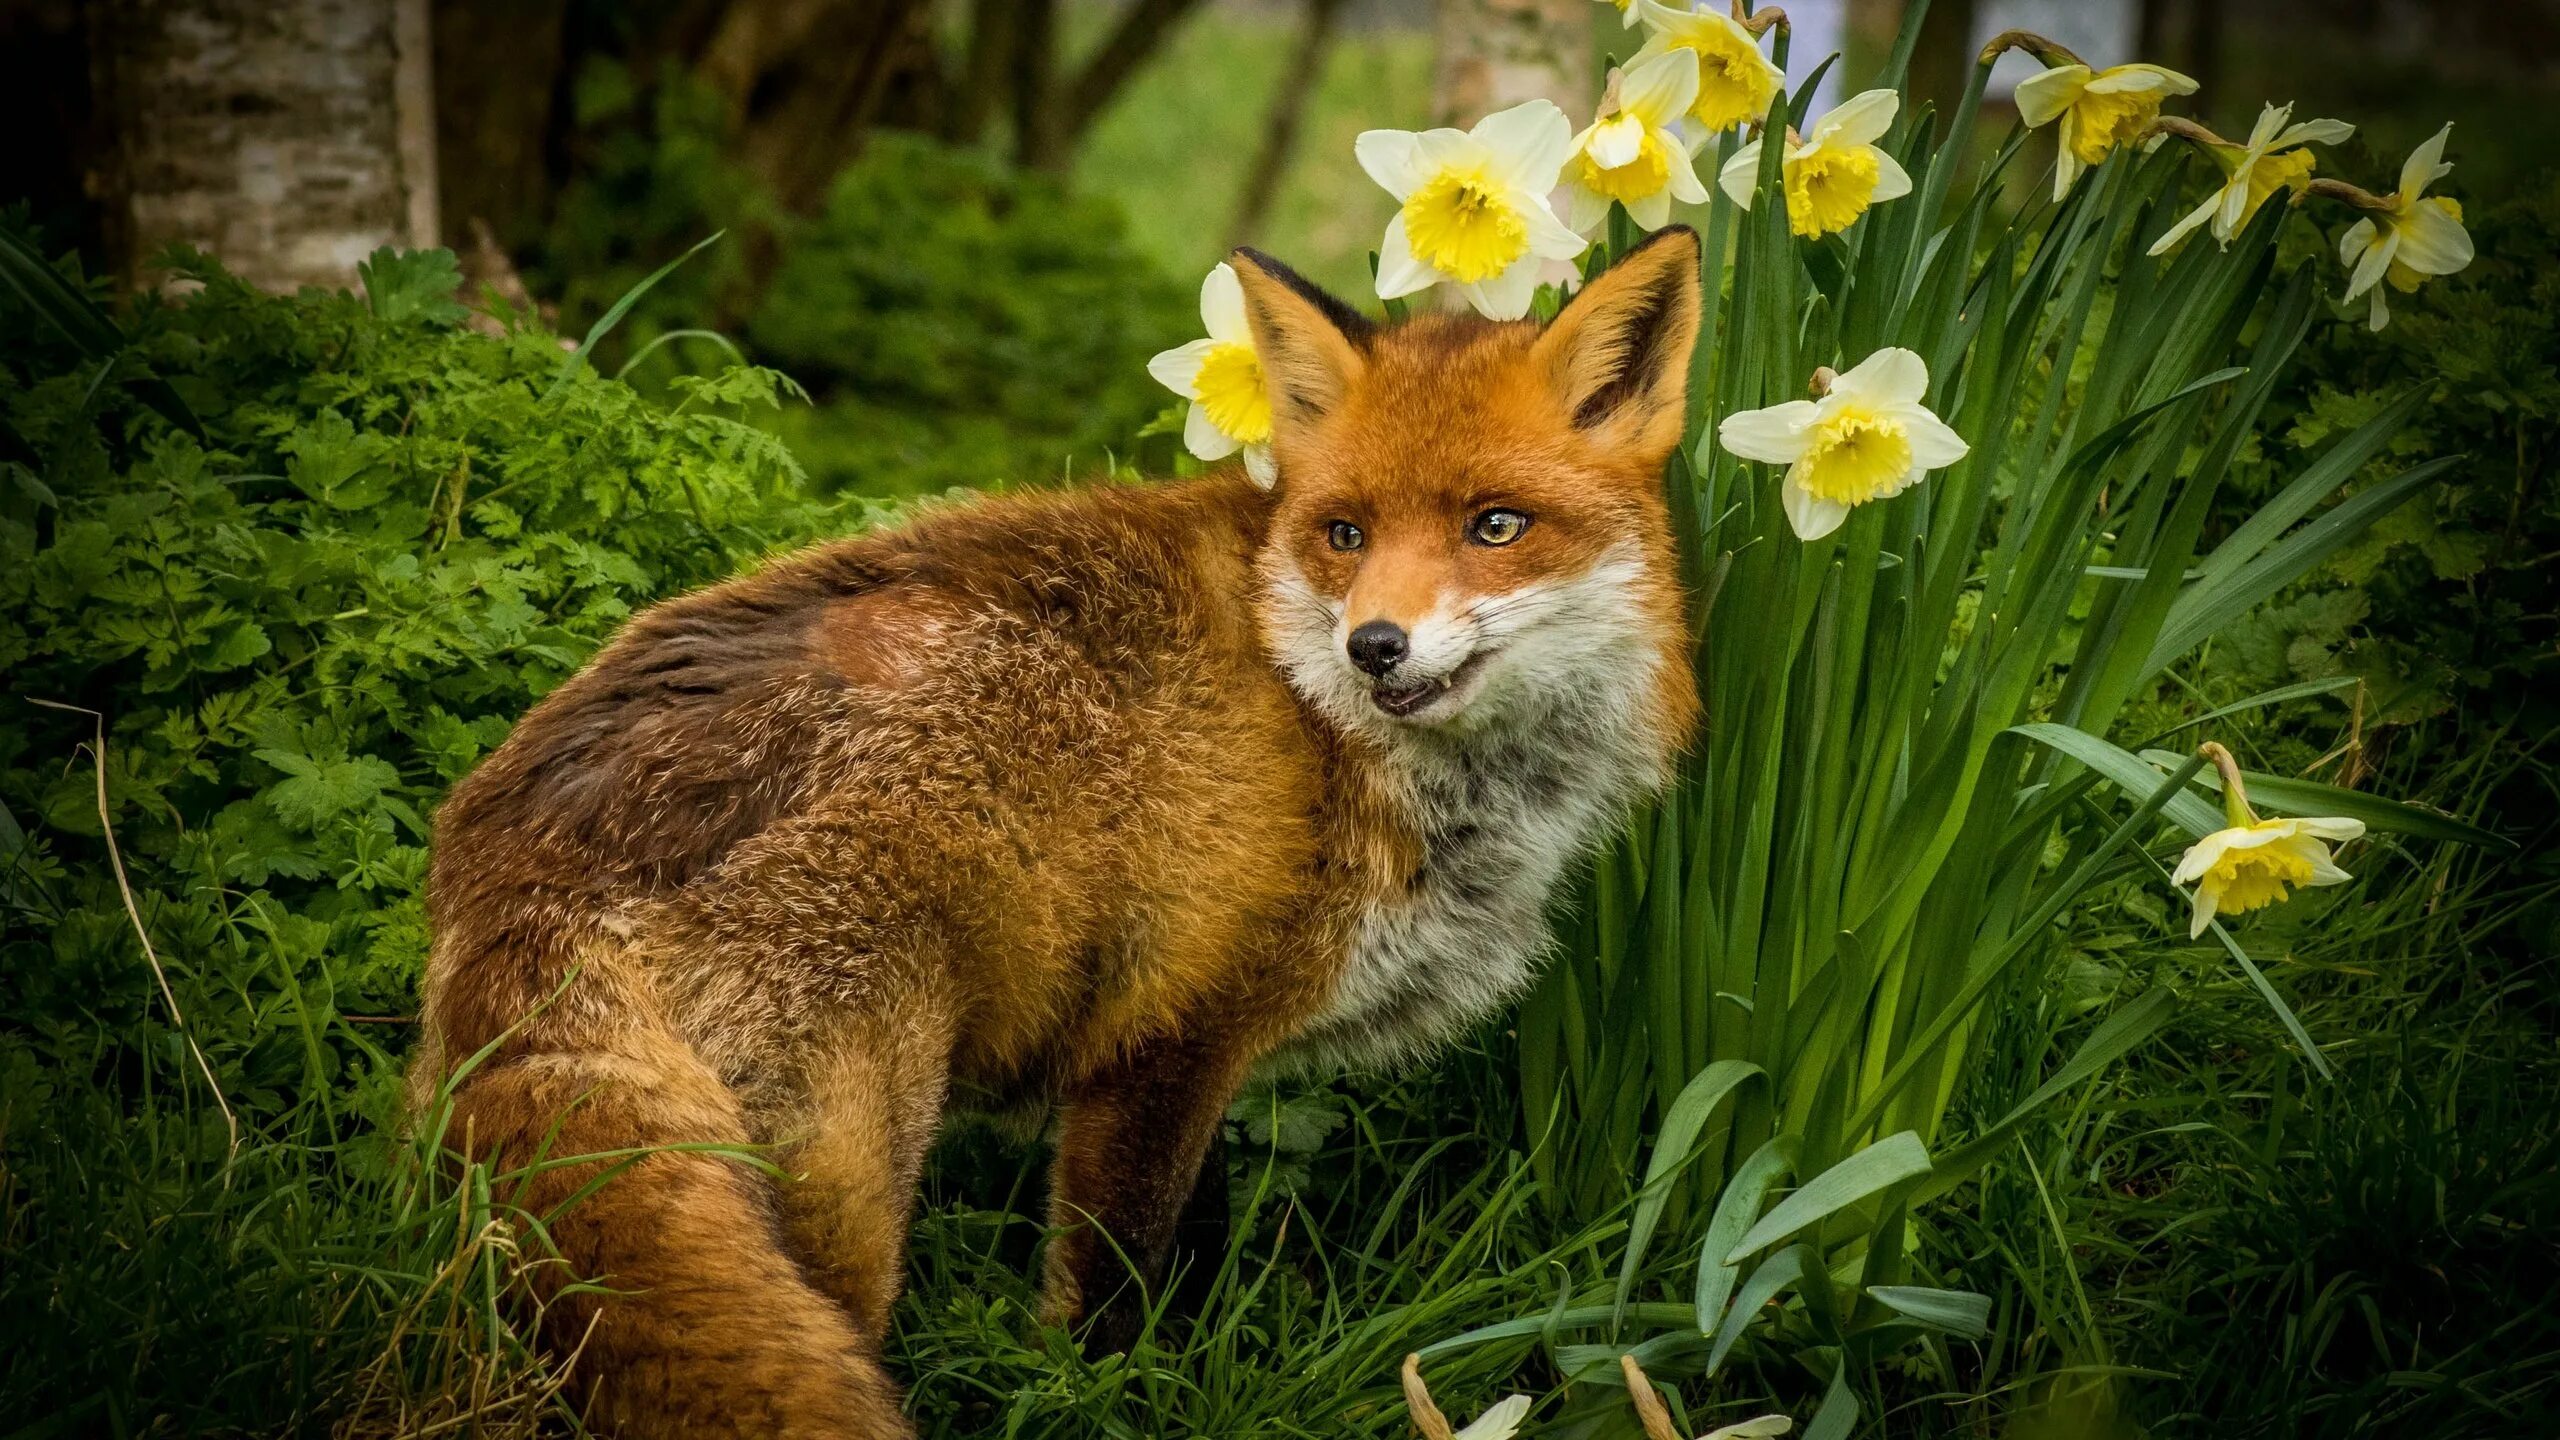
x: 1097, y: 801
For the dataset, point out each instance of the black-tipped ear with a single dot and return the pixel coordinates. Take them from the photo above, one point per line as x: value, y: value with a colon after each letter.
x: 1311, y: 344
x: 1619, y: 350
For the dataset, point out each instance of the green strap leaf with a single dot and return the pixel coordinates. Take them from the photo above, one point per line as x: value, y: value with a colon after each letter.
x: 1886, y: 1163
x: 612, y: 317
x: 1775, y: 1274
x: 1673, y: 1149
x: 1958, y: 1312
x: 1736, y: 1209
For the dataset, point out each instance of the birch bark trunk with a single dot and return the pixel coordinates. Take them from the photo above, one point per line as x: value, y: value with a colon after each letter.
x: 1493, y: 54
x: 288, y: 138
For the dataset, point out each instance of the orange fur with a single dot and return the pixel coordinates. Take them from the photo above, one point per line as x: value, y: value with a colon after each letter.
x: 1022, y: 799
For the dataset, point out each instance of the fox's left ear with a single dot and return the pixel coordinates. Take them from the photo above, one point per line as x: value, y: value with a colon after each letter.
x: 1311, y: 344
x: 1619, y: 352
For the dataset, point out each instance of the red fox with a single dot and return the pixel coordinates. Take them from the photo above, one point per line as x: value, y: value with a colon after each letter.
x: 1099, y: 800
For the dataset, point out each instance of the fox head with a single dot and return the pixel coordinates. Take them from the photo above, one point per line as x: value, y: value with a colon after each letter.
x: 1469, y: 526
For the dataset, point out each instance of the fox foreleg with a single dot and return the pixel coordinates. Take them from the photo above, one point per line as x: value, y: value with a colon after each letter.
x: 1130, y: 1145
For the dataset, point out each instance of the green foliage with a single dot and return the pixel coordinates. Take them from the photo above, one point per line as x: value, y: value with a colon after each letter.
x: 2445, y: 603
x: 958, y: 323
x: 962, y: 324
x: 392, y: 537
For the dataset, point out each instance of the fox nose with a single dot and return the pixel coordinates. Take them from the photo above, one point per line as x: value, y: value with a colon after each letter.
x: 1376, y: 646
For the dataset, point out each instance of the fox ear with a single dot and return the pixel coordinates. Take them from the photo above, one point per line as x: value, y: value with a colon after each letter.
x: 1618, y: 354
x: 1311, y: 344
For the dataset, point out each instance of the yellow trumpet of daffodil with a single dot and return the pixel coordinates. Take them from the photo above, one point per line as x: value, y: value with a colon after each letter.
x: 1222, y: 378
x: 2252, y: 863
x: 1833, y: 175
x: 1629, y: 153
x: 2408, y: 235
x: 1735, y: 81
x: 1474, y: 207
x: 1867, y: 438
x: 2099, y: 110
x: 2272, y: 159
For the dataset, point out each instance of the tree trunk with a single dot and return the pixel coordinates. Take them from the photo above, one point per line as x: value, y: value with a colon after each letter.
x: 804, y: 79
x: 270, y: 133
x: 1494, y: 54
x: 1280, y: 127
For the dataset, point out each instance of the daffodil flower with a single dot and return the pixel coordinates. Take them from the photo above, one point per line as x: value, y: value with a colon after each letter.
x: 2100, y: 110
x: 1735, y: 81
x: 1222, y: 378
x: 2253, y: 863
x: 1626, y: 12
x: 2272, y: 160
x: 1868, y: 438
x: 2409, y: 235
x: 1833, y: 176
x: 1475, y: 209
x: 1629, y: 154
x: 1656, y: 1420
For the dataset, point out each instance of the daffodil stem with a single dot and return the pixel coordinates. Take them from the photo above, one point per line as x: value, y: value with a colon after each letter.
x: 2235, y: 794
x: 2355, y: 195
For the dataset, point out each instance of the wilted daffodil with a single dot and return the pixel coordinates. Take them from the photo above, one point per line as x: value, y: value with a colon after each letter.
x: 2100, y: 110
x: 2254, y: 863
x: 1656, y: 1418
x: 1500, y: 1422
x: 2272, y: 160
x: 1629, y: 154
x: 1735, y: 81
x: 2406, y: 236
x: 1474, y: 206
x: 1833, y: 175
x: 1867, y: 438
x: 1222, y: 378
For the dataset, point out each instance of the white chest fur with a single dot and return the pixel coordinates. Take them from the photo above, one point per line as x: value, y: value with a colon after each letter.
x: 1500, y: 818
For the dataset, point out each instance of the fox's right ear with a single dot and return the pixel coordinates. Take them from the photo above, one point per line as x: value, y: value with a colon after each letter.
x: 1311, y: 344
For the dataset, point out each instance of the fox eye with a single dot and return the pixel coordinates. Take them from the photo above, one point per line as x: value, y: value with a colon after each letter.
x: 1497, y: 527
x: 1344, y: 535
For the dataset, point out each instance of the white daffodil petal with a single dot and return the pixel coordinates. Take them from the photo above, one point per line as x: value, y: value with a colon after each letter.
x: 2043, y: 97
x: 2424, y: 165
x: 1660, y: 90
x: 1260, y: 466
x: 1935, y: 445
x: 1808, y: 514
x: 2270, y: 120
x: 1222, y: 306
x: 2313, y: 132
x: 2353, y: 243
x: 2370, y: 265
x: 1178, y: 369
x: 2208, y: 899
x: 1500, y: 1422
x: 1651, y: 212
x: 1773, y: 436
x: 1400, y: 272
x: 2432, y: 242
x: 2331, y: 827
x: 1890, y: 376
x: 1393, y: 158
x: 2202, y: 856
x: 1861, y: 119
x: 1740, y: 173
x: 2066, y: 170
x: 2380, y: 315
x: 2137, y: 79
x: 2230, y: 210
x: 2185, y: 226
x: 1506, y: 296
x: 1529, y: 143
x: 1446, y: 149
x: 1549, y: 237
x: 1585, y: 208
x: 1892, y: 181
x: 1685, y: 185
x: 1203, y: 438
